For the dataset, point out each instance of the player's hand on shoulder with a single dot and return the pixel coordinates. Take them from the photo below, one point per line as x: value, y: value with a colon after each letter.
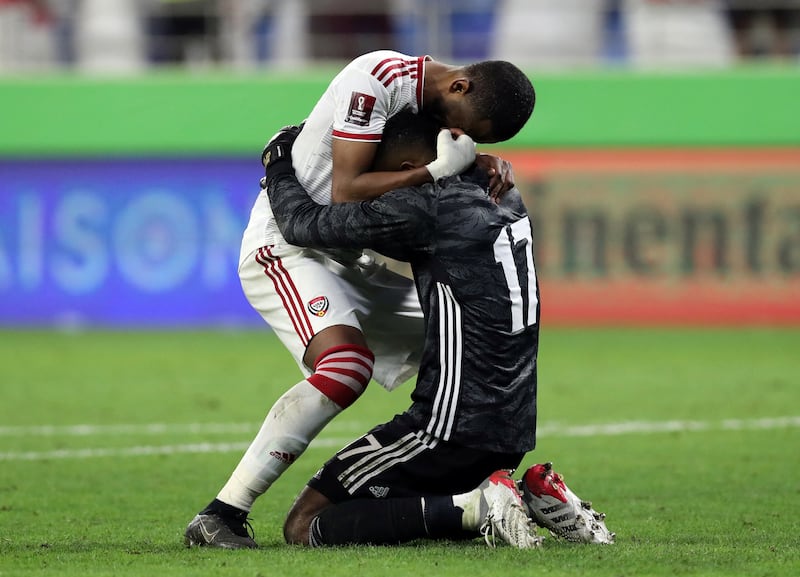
x: 279, y: 146
x: 277, y: 154
x: 501, y: 174
x: 455, y: 152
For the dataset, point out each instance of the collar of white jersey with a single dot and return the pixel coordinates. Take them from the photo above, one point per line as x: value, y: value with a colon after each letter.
x: 421, y: 79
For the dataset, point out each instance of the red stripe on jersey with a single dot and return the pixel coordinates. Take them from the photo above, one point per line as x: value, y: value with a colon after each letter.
x: 413, y: 68
x: 421, y: 83
x: 398, y: 65
x: 288, y: 293
x: 352, y: 136
x: 383, y: 63
x: 394, y: 76
x: 396, y: 69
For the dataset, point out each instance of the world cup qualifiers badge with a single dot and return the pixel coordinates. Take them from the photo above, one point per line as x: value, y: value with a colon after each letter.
x: 318, y: 306
x: 361, y: 107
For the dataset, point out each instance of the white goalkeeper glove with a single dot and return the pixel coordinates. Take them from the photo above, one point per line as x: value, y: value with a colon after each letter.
x: 452, y: 155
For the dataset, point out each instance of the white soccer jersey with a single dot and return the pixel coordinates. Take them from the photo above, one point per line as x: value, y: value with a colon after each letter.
x: 356, y: 105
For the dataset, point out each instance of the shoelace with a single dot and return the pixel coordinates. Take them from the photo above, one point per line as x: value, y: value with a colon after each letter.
x: 240, y: 525
x: 249, y: 528
x: 487, y: 531
x: 244, y: 528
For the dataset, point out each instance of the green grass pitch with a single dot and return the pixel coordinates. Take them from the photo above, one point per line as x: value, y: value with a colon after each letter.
x: 110, y: 441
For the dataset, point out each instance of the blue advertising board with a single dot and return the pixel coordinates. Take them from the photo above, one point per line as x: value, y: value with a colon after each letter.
x: 125, y: 242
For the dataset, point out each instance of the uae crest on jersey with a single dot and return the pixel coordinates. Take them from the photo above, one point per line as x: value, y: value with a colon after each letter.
x: 318, y: 306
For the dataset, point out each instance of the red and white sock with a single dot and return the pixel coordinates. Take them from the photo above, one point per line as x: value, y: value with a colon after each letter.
x: 340, y: 376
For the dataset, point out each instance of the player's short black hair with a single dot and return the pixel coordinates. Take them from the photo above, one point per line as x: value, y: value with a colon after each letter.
x: 502, y: 93
x: 406, y: 130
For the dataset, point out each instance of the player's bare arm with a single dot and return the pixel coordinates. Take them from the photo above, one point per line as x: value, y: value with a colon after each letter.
x: 455, y: 151
x: 352, y: 179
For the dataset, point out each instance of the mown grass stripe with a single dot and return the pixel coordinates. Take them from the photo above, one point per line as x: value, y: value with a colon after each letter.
x: 609, y: 429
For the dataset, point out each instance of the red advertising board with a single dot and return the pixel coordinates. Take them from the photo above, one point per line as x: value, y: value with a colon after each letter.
x: 692, y: 237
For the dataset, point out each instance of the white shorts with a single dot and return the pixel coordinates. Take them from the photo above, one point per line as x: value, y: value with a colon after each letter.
x: 299, y: 292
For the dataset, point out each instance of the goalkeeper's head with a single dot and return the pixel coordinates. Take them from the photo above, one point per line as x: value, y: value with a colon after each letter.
x: 489, y: 100
x: 409, y: 141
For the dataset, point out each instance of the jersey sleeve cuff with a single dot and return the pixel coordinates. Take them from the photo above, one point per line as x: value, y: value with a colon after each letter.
x: 356, y: 137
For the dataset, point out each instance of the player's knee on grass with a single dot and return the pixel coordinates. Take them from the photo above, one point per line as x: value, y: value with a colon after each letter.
x: 308, y: 505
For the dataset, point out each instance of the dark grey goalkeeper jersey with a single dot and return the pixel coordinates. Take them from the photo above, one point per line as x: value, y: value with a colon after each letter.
x: 474, y: 270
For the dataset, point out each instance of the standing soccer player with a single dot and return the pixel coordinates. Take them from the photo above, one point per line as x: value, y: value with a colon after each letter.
x: 343, y: 319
